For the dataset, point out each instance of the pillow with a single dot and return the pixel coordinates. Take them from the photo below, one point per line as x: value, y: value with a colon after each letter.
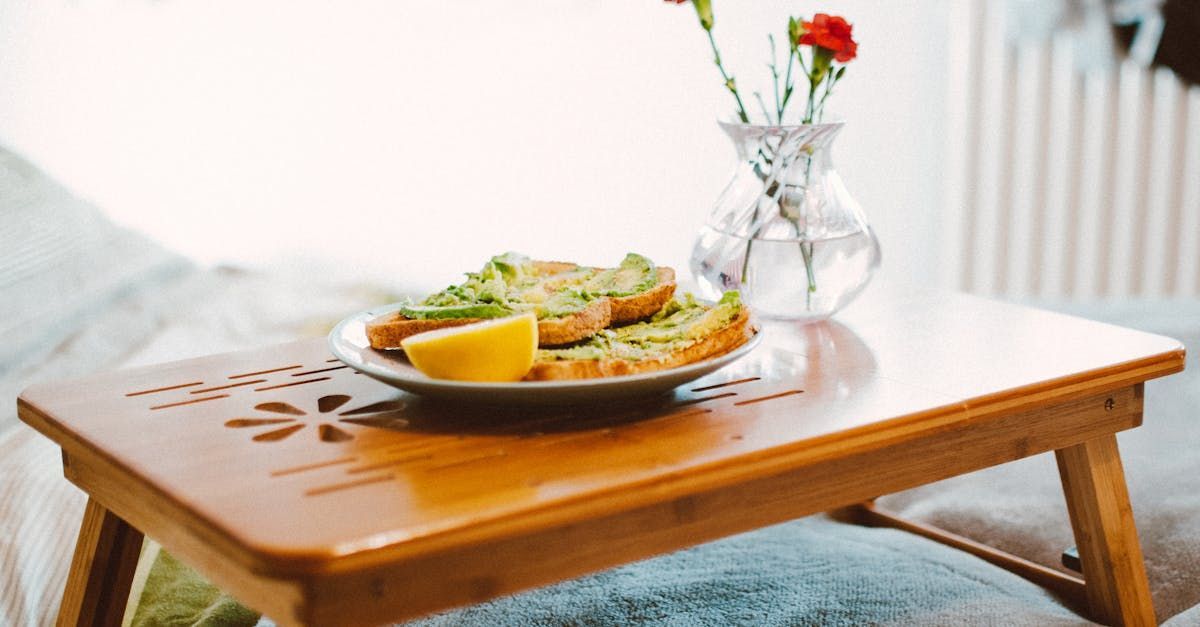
x: 62, y: 261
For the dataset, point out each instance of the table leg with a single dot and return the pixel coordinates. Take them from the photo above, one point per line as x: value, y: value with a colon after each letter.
x: 1098, y: 503
x: 106, y: 556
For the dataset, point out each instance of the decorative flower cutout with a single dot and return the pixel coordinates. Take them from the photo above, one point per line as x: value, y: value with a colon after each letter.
x: 381, y: 415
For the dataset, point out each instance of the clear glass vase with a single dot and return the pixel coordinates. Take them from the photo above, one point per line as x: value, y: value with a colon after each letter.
x: 785, y: 232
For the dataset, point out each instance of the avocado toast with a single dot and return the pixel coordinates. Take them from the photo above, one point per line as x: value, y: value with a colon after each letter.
x: 682, y: 332
x: 572, y: 302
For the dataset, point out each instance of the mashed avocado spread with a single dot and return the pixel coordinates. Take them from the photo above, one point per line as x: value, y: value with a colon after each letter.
x: 678, y: 325
x: 636, y: 274
x: 511, y: 283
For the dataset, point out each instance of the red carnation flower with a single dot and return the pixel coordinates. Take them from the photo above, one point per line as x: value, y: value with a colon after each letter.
x: 832, y: 33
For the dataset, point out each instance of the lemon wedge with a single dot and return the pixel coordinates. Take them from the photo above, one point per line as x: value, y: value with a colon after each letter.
x: 496, y: 350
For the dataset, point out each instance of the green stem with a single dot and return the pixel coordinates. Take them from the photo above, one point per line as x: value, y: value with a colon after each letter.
x: 768, y: 190
x: 729, y: 82
x: 831, y: 81
x: 746, y: 258
x: 808, y: 109
x: 763, y: 105
x: 806, y: 250
x: 787, y: 88
x: 800, y: 58
x: 806, y: 246
x: 775, y: 81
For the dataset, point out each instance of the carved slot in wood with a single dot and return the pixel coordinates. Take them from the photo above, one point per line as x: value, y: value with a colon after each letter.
x: 725, y: 384
x: 330, y: 402
x: 239, y: 423
x: 325, y: 431
x: 165, y: 389
x: 330, y: 433
x: 268, y: 371
x: 469, y: 460
x: 558, y: 438
x: 288, y: 385
x: 226, y: 387
x: 318, y: 371
x: 387, y: 463
x: 313, y: 466
x: 769, y: 397
x: 394, y: 423
x: 277, y: 434
x: 189, y: 402
x: 326, y: 489
x: 702, y: 399
x: 280, y: 408
x: 374, y: 408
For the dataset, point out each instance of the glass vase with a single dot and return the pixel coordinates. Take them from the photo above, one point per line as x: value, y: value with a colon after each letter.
x: 785, y: 231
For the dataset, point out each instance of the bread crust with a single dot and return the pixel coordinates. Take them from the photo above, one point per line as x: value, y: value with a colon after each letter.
x: 729, y: 337
x: 636, y: 307
x: 388, y: 332
x: 577, y: 326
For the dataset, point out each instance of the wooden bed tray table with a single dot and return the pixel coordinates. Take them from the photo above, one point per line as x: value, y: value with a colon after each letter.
x: 320, y: 496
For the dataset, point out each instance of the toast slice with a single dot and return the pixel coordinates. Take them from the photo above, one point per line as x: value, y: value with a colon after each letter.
x: 625, y: 351
x: 626, y: 309
x: 533, y: 284
x: 388, y: 332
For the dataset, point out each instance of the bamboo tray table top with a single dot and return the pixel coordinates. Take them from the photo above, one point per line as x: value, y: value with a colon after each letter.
x: 321, y: 496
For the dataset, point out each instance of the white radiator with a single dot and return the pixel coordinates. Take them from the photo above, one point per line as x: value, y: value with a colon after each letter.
x: 1061, y: 182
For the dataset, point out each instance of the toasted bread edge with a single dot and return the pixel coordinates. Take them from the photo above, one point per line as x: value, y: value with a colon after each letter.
x: 729, y: 337
x: 390, y: 331
x: 645, y: 304
x: 577, y: 326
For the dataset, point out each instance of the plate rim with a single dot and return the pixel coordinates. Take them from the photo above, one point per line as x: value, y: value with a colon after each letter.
x: 478, y: 386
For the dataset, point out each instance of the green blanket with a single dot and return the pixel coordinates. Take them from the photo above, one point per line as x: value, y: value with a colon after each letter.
x: 167, y: 593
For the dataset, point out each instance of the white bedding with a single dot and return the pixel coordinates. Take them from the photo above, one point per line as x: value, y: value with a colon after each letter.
x: 202, y: 312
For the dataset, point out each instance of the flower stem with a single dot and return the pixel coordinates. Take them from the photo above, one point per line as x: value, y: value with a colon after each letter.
x: 787, y: 88
x: 806, y: 245
x: 832, y: 80
x: 775, y: 81
x: 806, y: 251
x: 729, y: 82
x: 763, y: 105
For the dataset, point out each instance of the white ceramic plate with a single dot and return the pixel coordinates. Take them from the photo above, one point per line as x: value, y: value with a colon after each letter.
x: 348, y: 341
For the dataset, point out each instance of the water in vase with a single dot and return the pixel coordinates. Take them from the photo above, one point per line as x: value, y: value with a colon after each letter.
x: 790, y: 279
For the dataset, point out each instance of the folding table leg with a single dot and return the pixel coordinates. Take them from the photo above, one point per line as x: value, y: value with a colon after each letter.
x: 1098, y: 502
x: 106, y: 556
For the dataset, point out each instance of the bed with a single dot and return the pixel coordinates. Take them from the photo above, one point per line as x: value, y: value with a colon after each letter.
x: 81, y: 294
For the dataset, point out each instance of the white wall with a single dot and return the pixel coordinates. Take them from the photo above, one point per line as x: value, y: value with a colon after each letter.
x: 412, y: 139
